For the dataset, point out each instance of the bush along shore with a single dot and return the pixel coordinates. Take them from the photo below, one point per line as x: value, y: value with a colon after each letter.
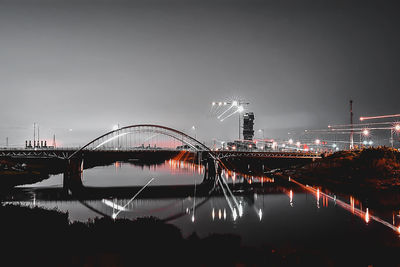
x: 39, y: 237
x: 371, y: 174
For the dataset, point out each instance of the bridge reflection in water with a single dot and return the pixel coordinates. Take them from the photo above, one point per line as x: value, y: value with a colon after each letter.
x: 207, y: 195
x: 253, y: 198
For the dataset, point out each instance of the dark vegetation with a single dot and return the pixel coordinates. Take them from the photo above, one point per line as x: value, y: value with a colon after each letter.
x: 16, y: 171
x: 38, y: 237
x: 370, y: 173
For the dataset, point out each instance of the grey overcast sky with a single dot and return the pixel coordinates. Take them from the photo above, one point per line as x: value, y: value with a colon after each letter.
x: 87, y: 65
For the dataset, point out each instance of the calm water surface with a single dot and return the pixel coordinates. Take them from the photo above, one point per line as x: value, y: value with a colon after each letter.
x: 272, y: 214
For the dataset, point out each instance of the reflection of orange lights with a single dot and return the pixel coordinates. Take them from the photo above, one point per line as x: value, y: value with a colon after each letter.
x: 117, y: 165
x: 352, y: 204
x: 364, y: 215
x: 291, y: 195
x: 182, y: 164
x: 250, y: 178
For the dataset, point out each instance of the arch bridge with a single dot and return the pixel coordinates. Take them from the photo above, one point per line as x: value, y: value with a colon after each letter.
x: 141, y: 138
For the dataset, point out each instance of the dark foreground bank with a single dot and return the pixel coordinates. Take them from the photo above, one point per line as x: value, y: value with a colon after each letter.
x: 38, y: 237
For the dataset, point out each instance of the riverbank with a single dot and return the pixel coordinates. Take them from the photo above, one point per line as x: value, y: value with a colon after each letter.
x: 370, y: 174
x: 47, y: 238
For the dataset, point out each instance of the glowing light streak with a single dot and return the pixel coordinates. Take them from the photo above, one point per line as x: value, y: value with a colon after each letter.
x: 110, y: 139
x: 194, y: 199
x: 231, y: 114
x: 234, y: 214
x: 349, y: 208
x: 113, y: 205
x: 225, y: 111
x: 141, y: 189
x: 379, y: 117
x: 240, y: 210
x: 151, y: 137
x: 233, y: 197
x: 359, y: 124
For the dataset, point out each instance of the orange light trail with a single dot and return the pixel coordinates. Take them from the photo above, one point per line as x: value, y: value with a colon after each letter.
x: 379, y: 117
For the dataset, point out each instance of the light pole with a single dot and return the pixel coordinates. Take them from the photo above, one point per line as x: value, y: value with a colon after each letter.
x: 365, y: 133
x: 194, y: 129
x: 395, y: 128
x: 317, y: 142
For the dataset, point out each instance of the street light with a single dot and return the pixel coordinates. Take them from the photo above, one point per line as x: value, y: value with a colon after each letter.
x: 194, y: 129
x: 365, y: 133
x: 395, y: 128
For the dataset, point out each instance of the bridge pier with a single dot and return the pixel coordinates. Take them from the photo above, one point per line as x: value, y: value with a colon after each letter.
x: 72, y: 180
x: 210, y: 168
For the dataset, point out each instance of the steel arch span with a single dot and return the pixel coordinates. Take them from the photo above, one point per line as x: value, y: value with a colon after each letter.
x: 122, y: 134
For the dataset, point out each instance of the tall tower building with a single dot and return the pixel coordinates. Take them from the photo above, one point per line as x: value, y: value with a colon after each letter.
x: 248, y: 124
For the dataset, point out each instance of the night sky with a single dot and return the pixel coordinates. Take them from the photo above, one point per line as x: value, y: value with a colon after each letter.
x: 87, y: 65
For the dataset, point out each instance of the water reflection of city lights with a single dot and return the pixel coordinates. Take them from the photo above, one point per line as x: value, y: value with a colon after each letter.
x: 234, y: 214
x: 240, y: 210
x: 233, y: 176
x: 260, y: 214
x: 213, y: 214
x: 291, y: 198
x: 350, y: 207
x: 183, y: 163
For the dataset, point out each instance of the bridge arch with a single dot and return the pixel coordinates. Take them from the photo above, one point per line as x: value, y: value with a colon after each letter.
x: 144, y: 128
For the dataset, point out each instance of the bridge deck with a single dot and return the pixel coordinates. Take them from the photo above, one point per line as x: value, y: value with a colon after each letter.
x: 63, y: 153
